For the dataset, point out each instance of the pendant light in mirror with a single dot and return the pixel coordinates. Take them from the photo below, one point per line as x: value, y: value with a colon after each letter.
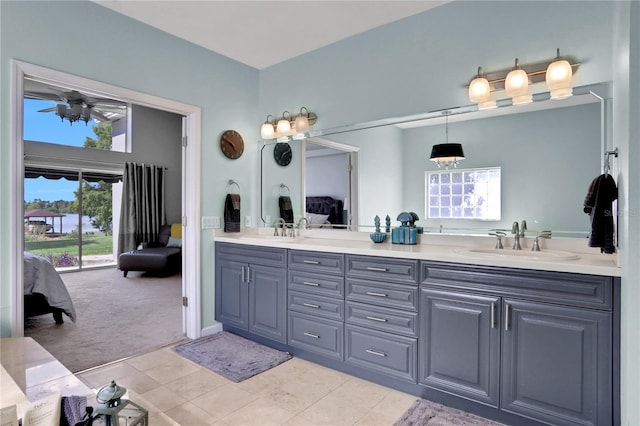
x: 447, y: 154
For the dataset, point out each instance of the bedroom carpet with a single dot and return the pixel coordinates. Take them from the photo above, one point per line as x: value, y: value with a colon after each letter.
x: 426, y: 413
x: 231, y: 356
x: 117, y: 317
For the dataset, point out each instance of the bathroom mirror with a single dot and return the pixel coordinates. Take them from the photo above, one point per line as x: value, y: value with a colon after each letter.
x: 548, y: 152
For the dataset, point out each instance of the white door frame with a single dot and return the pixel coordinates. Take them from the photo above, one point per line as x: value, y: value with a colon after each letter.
x: 190, y: 183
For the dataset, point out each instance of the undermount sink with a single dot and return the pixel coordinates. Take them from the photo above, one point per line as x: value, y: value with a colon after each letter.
x: 543, y: 255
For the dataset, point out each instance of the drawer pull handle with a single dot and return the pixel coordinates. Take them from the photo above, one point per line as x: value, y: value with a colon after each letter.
x: 315, y: 336
x: 377, y: 319
x: 493, y: 315
x: 310, y: 283
x: 371, y: 293
x: 311, y: 305
x: 311, y: 262
x: 371, y: 268
x: 372, y: 352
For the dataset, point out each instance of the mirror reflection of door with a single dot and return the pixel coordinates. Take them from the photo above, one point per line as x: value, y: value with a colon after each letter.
x: 330, y: 171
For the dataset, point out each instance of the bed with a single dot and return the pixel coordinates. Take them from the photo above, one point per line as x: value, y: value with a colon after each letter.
x: 44, y: 290
x: 323, y: 211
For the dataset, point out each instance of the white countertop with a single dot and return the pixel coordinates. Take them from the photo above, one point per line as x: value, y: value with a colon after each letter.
x: 456, y: 249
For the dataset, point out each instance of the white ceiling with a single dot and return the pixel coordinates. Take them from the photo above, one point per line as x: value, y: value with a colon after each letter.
x: 264, y: 33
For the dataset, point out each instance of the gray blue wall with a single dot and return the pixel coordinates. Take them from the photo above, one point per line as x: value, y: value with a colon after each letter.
x: 415, y: 65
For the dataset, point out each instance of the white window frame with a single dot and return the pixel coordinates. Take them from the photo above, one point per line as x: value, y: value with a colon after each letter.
x: 455, y: 188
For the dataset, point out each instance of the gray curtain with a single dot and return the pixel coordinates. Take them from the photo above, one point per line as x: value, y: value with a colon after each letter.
x: 143, y: 205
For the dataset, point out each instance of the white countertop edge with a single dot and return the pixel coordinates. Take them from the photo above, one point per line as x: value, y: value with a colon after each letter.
x: 587, y: 263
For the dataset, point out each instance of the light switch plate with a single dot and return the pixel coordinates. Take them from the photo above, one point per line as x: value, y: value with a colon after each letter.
x: 216, y: 222
x: 267, y: 219
x: 247, y: 221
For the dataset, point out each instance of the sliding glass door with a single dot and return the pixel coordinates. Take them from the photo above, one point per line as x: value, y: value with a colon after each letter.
x: 69, y: 217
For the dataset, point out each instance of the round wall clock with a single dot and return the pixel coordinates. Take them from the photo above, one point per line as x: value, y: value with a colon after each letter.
x: 231, y: 144
x: 282, y: 153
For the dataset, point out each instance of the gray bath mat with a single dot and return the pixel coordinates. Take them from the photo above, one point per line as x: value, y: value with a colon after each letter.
x: 423, y: 412
x: 232, y: 356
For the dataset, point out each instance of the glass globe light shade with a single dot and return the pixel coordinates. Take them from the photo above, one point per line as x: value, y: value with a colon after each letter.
x: 479, y: 90
x: 558, y: 78
x: 517, y: 87
x: 284, y: 126
x: 267, y: 131
x: 302, y: 123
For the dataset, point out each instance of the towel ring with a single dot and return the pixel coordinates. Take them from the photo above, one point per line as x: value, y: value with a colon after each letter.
x: 283, y: 186
x: 230, y: 183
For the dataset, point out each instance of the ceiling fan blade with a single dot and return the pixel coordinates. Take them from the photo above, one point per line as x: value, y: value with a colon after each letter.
x: 99, y: 117
x: 48, y: 109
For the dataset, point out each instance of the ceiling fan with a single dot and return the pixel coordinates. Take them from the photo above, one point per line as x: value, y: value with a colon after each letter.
x: 75, y: 106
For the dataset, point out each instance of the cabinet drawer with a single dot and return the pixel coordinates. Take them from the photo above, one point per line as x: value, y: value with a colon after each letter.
x: 385, y: 353
x: 581, y: 290
x: 383, y: 268
x: 382, y: 294
x: 314, y: 261
x: 383, y: 319
x: 256, y: 255
x: 322, y: 284
x: 318, y: 335
x: 316, y: 305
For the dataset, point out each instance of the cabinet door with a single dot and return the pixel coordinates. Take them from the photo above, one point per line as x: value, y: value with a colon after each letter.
x: 268, y: 302
x: 232, y: 292
x: 460, y: 344
x: 556, y: 363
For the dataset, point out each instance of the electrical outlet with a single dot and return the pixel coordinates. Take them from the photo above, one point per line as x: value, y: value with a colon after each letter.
x: 216, y: 222
x: 267, y: 219
x: 247, y: 221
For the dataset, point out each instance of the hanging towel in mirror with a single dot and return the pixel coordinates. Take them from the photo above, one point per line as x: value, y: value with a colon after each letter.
x: 598, y: 205
x: 232, y: 213
x: 286, y: 208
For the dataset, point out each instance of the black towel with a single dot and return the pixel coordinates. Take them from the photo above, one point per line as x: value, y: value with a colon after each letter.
x: 286, y: 208
x: 232, y: 213
x: 73, y: 410
x: 598, y: 205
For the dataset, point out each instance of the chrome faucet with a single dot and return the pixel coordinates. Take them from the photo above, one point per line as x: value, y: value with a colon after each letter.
x: 515, y: 230
x: 279, y: 223
x: 536, y: 244
x: 523, y: 227
x: 498, y: 234
x: 299, y: 226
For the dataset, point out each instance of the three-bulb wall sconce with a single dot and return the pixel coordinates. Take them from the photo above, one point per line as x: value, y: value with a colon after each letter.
x: 288, y: 127
x: 557, y: 73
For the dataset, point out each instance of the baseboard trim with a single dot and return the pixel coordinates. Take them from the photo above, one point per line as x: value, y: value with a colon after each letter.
x: 212, y: 329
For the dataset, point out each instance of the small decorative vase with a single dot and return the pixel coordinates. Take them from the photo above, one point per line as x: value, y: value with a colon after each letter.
x: 378, y: 237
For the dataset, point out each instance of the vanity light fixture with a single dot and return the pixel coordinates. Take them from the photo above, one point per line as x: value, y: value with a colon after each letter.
x: 480, y: 91
x: 288, y: 127
x: 558, y: 74
x: 267, y: 131
x: 517, y: 85
x: 558, y: 78
x: 447, y: 154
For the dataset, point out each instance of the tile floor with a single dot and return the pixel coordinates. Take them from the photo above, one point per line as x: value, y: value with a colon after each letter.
x: 297, y: 392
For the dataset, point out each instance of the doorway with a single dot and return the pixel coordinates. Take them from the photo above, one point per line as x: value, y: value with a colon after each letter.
x: 190, y: 171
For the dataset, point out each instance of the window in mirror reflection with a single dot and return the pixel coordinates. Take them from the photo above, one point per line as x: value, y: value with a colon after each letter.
x: 463, y: 194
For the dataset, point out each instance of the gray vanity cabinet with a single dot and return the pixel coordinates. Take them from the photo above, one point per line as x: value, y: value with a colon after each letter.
x: 316, y: 302
x: 556, y: 363
x: 460, y: 344
x: 381, y: 315
x: 251, y: 289
x: 533, y: 343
